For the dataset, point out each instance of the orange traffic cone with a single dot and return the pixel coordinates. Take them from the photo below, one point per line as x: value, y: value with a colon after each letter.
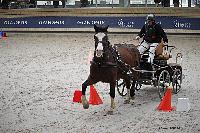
x: 94, y: 97
x: 165, y: 104
x: 77, y: 96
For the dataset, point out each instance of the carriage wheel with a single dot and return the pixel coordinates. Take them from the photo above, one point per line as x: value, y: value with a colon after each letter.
x: 177, y: 80
x: 121, y: 87
x: 163, y: 80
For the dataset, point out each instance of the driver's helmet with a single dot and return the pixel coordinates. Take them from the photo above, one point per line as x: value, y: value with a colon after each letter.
x: 150, y: 17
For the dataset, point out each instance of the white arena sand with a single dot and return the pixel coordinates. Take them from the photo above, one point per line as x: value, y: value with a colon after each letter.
x: 40, y: 72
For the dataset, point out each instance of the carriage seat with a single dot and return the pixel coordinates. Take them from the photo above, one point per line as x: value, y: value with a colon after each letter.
x: 161, y: 53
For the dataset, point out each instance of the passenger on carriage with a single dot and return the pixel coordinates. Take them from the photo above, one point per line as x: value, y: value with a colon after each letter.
x: 152, y: 34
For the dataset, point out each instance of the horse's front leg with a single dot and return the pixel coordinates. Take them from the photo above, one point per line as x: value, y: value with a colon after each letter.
x: 85, y: 103
x: 112, y: 96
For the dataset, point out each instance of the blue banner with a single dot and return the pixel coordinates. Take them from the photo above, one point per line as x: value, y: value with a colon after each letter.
x: 167, y: 22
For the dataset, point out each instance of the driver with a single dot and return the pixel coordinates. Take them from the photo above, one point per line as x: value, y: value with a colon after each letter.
x: 152, y: 34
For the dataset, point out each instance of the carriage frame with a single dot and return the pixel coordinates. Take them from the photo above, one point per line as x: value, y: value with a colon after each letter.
x: 162, y: 74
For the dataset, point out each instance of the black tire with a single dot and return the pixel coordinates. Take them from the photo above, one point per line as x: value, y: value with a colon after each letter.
x: 177, y: 80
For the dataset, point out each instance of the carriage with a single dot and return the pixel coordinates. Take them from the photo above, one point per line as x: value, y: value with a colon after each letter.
x: 159, y: 75
x: 122, y: 66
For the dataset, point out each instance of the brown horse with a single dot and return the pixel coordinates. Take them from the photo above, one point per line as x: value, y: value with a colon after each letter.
x: 109, y: 65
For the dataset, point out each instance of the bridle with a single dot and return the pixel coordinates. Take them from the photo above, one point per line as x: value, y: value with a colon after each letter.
x: 103, y: 52
x: 100, y: 44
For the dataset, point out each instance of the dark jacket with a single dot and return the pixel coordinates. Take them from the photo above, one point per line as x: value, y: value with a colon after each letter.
x: 153, y: 34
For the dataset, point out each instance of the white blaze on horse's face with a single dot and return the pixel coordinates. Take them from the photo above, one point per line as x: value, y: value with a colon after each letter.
x: 99, y: 49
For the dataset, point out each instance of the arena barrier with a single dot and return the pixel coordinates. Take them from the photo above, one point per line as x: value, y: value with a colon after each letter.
x: 85, y: 22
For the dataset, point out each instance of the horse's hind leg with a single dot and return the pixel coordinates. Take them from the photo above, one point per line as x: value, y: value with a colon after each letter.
x: 132, y: 91
x: 128, y: 98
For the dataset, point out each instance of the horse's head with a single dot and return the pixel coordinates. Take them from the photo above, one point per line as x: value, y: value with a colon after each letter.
x: 101, y: 40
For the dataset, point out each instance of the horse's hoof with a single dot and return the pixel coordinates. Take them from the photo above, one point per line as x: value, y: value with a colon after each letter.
x: 84, y: 102
x: 127, y: 101
x: 132, y: 98
x: 110, y: 112
x: 85, y: 106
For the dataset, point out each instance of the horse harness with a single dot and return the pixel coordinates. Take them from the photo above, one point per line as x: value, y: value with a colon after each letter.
x: 124, y: 67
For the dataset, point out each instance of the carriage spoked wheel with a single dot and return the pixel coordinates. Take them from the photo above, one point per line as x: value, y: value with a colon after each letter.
x: 177, y: 80
x: 163, y: 80
x: 121, y: 87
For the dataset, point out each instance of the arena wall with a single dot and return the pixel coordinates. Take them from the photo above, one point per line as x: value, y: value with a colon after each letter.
x: 174, y: 20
